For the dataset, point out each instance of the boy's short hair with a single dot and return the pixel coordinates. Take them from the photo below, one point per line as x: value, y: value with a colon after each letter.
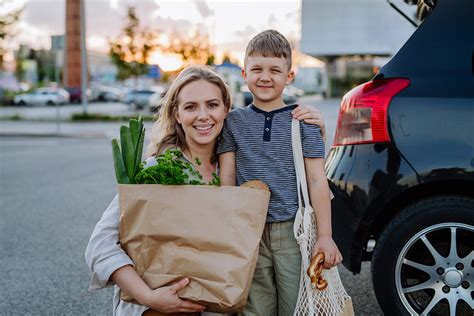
x: 269, y: 43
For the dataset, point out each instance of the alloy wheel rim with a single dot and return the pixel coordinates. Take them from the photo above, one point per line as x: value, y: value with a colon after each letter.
x: 421, y: 285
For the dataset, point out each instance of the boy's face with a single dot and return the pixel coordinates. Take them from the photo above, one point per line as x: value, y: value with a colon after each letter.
x: 266, y: 78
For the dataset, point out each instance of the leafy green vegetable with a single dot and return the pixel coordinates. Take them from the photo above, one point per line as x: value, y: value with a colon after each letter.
x: 120, y: 171
x: 215, y: 180
x: 172, y: 169
x: 128, y: 155
x: 171, y: 166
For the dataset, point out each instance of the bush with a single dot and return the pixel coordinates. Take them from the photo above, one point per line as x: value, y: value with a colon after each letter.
x: 106, y: 117
x: 340, y: 86
x: 6, y: 97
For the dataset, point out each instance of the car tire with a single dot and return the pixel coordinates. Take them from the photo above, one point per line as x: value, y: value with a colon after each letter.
x: 22, y: 103
x: 415, y: 270
x: 50, y: 103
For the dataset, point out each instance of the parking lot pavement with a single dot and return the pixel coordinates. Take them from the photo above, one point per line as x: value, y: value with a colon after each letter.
x: 63, y: 129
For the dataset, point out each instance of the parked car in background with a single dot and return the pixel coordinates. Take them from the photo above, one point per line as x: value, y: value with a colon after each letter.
x: 402, y: 169
x: 154, y: 102
x: 76, y: 94
x: 294, y: 90
x: 102, y: 93
x: 43, y: 96
x: 138, y: 99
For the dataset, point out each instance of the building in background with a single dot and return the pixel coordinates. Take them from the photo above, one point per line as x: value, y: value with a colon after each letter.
x: 101, y: 69
x: 310, y: 74
x: 350, y: 36
x: 232, y: 74
x: 34, y: 67
x: 57, y: 49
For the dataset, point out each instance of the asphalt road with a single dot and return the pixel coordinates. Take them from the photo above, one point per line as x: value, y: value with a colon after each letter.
x: 52, y: 192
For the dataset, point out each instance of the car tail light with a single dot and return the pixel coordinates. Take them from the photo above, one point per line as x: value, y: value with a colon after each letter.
x: 363, y: 113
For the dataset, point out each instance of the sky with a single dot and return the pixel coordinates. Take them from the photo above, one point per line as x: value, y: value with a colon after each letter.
x: 229, y: 23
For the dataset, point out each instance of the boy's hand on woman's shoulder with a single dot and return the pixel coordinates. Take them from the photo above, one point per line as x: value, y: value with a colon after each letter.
x: 332, y: 256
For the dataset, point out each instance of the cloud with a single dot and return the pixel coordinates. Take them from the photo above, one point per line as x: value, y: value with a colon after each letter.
x: 246, y: 33
x: 272, y: 21
x: 203, y: 8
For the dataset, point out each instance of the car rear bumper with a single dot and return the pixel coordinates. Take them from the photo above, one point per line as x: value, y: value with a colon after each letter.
x: 363, y: 179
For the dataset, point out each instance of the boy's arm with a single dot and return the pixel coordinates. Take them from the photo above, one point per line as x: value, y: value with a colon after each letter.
x: 320, y: 199
x: 227, y: 168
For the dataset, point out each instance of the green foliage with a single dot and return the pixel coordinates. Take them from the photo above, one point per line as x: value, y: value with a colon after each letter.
x: 172, y: 169
x: 127, y: 157
x: 7, y: 24
x: 132, y: 48
x: 104, y: 117
x: 340, y: 86
x: 14, y: 117
x: 120, y: 170
x: 195, y: 49
x: 215, y: 180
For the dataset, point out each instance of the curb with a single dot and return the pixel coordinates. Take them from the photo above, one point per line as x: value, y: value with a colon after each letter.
x: 58, y: 135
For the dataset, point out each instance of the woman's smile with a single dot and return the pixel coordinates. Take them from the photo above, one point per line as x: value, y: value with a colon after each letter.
x: 204, y: 129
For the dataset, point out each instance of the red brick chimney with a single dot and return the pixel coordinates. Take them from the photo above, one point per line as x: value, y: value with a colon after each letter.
x: 72, y: 69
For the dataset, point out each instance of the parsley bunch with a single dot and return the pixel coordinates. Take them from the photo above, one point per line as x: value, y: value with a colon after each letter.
x: 172, y: 169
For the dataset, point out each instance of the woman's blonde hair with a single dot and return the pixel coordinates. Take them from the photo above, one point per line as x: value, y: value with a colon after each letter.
x: 166, y: 131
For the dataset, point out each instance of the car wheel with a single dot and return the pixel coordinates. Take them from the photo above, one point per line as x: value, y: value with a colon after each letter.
x: 22, y: 103
x: 423, y: 260
x: 50, y: 103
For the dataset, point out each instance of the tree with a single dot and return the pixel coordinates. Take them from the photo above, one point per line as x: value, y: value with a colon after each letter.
x: 193, y: 50
x: 227, y: 59
x: 7, y: 24
x: 131, y: 50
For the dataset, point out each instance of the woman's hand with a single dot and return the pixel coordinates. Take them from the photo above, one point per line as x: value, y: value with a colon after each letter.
x: 332, y: 256
x: 310, y: 115
x: 165, y: 299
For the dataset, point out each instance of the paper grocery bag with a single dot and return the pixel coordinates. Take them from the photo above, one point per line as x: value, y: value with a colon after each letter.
x: 206, y: 233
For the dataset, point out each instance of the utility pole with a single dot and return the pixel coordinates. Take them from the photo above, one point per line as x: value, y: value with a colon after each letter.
x: 83, y: 58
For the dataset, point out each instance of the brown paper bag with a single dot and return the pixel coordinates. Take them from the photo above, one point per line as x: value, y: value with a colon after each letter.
x: 206, y: 233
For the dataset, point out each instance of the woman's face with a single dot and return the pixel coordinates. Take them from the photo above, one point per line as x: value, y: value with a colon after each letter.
x: 201, y: 112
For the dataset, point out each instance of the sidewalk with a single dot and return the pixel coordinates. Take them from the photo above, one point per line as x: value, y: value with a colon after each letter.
x: 63, y: 129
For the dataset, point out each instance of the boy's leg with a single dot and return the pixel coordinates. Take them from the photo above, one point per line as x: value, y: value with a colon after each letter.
x: 262, y: 300
x: 287, y: 260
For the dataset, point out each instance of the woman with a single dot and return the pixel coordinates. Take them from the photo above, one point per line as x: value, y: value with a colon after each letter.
x: 191, y: 119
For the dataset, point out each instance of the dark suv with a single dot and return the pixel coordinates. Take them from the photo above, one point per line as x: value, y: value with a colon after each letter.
x: 402, y: 169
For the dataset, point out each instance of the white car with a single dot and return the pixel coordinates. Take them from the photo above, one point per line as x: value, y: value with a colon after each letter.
x: 43, y: 96
x: 154, y: 102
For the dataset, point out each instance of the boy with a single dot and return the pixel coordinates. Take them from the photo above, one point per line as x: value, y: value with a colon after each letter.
x: 256, y: 144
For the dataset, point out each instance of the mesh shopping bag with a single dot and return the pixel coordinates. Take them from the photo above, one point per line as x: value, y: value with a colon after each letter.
x: 334, y: 300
